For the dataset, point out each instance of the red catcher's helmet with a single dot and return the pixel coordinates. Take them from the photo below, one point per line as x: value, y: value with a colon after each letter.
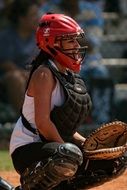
x: 52, y: 31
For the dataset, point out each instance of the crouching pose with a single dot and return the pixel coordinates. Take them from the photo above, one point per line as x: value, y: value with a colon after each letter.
x: 45, y: 144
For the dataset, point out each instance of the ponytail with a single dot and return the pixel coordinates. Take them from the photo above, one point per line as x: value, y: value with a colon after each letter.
x: 40, y: 59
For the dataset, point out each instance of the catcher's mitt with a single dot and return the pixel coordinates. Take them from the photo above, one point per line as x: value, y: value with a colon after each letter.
x: 107, y: 142
x: 104, y: 157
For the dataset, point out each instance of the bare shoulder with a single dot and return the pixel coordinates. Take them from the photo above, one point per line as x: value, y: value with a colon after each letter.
x: 42, y: 78
x: 42, y: 73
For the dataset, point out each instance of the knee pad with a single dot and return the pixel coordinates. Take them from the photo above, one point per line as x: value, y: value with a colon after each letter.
x: 62, y: 165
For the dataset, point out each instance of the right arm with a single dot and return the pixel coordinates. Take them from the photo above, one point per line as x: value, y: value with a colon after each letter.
x: 42, y: 85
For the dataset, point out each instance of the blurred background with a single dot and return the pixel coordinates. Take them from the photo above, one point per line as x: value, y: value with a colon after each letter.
x: 104, y: 69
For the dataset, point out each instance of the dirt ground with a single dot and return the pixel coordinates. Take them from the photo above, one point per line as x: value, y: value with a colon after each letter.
x: 117, y: 184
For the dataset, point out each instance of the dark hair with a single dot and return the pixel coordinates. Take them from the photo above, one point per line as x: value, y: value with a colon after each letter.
x: 19, y: 8
x: 41, y: 59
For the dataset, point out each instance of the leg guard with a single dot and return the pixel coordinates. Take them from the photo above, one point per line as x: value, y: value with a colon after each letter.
x: 4, y: 185
x: 62, y: 165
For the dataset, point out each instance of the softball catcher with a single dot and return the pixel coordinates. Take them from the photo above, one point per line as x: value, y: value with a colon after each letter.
x: 46, y: 148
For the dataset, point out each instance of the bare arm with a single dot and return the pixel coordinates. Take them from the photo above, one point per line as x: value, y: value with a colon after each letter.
x: 42, y: 87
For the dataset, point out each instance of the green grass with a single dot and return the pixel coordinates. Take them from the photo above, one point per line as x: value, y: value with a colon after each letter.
x: 5, y: 161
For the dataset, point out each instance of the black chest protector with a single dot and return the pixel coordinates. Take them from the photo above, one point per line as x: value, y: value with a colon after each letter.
x: 68, y: 117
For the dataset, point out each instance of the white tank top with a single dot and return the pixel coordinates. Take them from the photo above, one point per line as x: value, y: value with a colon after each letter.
x: 20, y: 135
